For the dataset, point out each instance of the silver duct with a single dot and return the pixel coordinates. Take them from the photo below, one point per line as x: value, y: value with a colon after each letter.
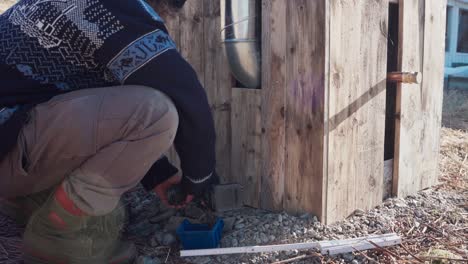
x: 240, y: 36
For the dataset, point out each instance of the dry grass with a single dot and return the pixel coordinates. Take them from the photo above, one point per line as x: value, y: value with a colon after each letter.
x: 454, y: 159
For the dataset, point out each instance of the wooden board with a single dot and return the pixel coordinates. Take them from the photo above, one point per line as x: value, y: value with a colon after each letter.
x: 305, y: 104
x: 421, y: 48
x: 358, y: 50
x: 218, y: 85
x: 273, y: 103
x: 246, y: 145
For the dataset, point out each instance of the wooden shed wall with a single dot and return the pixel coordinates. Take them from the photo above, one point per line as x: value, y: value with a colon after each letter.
x: 312, y: 138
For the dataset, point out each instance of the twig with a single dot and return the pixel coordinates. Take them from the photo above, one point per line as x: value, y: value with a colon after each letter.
x: 441, y: 258
x: 364, y: 255
x: 302, y: 257
x: 168, y: 253
x: 414, y: 256
x: 4, y: 250
x: 384, y: 250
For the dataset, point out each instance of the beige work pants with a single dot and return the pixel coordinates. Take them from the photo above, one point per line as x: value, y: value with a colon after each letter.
x: 98, y: 142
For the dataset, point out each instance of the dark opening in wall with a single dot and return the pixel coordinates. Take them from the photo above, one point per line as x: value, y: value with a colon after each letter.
x: 392, y: 65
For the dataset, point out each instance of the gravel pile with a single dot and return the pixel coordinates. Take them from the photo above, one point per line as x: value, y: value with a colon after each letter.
x: 433, y: 224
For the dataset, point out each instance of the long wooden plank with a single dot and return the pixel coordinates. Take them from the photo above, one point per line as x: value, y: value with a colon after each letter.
x: 358, y: 48
x: 218, y: 85
x: 305, y: 97
x: 421, y: 49
x: 246, y: 144
x: 273, y: 103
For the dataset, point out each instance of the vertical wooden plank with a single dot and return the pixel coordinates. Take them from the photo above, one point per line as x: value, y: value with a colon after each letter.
x: 246, y: 144
x: 305, y: 97
x: 192, y: 38
x: 218, y: 85
x: 358, y: 50
x: 432, y: 87
x: 421, y: 48
x: 273, y: 103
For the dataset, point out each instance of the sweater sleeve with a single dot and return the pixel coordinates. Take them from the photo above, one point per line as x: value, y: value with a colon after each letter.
x: 142, y: 53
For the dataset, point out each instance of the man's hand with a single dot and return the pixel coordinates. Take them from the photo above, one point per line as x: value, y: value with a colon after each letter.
x: 162, y: 191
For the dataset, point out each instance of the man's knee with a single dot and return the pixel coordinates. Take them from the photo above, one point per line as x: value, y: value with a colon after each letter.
x: 155, y: 111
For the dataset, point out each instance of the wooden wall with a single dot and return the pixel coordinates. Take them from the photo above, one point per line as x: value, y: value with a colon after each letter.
x: 312, y: 138
x: 419, y: 107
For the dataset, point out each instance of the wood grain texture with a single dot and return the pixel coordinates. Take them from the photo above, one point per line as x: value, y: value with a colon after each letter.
x: 273, y: 103
x: 305, y: 105
x: 421, y: 49
x: 358, y: 50
x: 218, y: 85
x: 246, y: 145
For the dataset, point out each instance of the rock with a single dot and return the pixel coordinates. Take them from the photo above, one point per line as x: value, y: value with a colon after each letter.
x: 193, y: 212
x: 154, y: 241
x: 229, y: 224
x: 174, y: 222
x: 354, y: 262
x: 276, y: 223
x: 202, y: 260
x: 264, y: 238
x: 168, y: 239
x: 266, y: 226
x: 272, y: 238
x: 348, y: 257
x: 239, y: 226
x: 234, y: 242
x: 148, y: 260
x: 163, y: 216
x: 280, y: 218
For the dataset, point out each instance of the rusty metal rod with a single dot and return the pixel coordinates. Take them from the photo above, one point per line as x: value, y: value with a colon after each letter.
x: 404, y: 77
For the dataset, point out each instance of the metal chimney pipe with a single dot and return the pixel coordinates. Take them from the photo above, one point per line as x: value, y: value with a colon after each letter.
x: 240, y: 36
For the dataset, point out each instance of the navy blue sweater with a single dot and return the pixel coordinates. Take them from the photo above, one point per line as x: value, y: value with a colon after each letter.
x: 49, y: 47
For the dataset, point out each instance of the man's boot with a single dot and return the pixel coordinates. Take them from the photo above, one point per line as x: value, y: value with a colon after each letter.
x: 21, y: 208
x: 59, y: 232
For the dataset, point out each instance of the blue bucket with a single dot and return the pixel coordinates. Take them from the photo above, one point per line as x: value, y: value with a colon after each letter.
x: 200, y: 236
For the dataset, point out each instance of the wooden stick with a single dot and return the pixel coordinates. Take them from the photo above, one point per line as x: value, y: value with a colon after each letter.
x: 414, y: 256
x: 384, y: 250
x: 245, y: 250
x: 404, y: 77
x: 326, y: 247
x: 440, y: 258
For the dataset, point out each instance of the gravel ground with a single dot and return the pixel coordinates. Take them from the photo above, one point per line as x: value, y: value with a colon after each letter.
x: 432, y: 223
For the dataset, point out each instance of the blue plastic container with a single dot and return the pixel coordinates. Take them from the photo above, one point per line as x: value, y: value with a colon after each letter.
x: 200, y: 236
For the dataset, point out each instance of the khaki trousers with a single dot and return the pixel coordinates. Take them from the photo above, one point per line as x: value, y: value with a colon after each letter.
x: 98, y: 142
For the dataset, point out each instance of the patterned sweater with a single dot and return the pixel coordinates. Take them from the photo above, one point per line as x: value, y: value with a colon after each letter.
x: 49, y: 47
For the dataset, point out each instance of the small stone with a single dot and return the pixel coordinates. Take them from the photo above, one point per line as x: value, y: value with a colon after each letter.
x: 193, y: 212
x: 272, y: 238
x: 147, y: 260
x: 264, y: 238
x: 168, y: 239
x: 154, y: 241
x: 174, y: 222
x: 305, y: 216
x: 234, y: 242
x: 202, y: 260
x: 348, y: 257
x: 354, y: 262
x: 267, y: 226
x: 229, y: 224
x: 280, y: 218
x: 239, y: 226
x: 276, y: 223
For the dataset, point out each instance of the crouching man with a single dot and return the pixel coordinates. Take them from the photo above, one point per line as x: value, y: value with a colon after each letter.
x: 93, y: 93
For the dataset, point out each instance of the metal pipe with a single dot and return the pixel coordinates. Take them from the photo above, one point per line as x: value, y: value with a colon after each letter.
x: 404, y: 77
x: 240, y: 37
